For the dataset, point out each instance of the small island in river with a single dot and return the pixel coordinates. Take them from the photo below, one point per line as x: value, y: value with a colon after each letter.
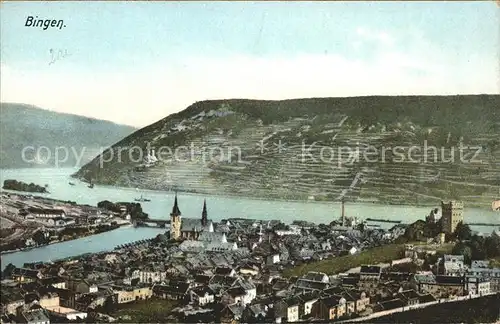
x: 23, y: 186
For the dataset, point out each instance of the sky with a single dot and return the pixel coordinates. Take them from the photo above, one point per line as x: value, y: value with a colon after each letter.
x: 137, y: 62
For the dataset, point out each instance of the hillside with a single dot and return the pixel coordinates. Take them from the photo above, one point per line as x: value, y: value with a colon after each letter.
x: 22, y: 126
x: 238, y: 127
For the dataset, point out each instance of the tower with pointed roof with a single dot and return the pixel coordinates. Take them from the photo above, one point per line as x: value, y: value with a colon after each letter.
x: 204, y: 217
x: 175, y: 221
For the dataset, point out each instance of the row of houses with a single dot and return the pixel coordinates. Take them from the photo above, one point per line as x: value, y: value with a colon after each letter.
x: 58, y: 217
x: 245, y: 283
x: 454, y: 265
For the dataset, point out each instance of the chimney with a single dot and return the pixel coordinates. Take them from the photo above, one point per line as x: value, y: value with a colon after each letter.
x: 343, y: 211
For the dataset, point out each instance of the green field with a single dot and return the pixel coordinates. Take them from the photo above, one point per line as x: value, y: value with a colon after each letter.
x: 381, y: 254
x: 146, y: 311
x: 442, y: 248
x: 376, y: 255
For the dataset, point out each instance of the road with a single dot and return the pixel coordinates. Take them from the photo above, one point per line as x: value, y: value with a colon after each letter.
x: 408, y: 308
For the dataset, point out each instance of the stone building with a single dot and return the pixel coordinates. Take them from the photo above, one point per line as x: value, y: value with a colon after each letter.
x: 452, y: 214
x: 188, y: 228
x: 175, y: 221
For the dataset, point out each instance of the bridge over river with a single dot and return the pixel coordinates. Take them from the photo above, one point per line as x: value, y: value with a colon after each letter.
x: 151, y: 222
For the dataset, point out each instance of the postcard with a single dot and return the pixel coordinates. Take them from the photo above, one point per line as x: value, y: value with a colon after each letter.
x: 250, y: 162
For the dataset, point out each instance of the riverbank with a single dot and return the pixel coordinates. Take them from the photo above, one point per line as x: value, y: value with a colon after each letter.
x: 224, y: 206
x: 427, y: 201
x: 274, y: 199
x: 36, y: 196
x: 68, y: 238
x: 219, y: 207
x: 74, y: 249
x: 36, y: 221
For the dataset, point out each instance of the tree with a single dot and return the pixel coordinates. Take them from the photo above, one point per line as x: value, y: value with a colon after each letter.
x: 430, y: 260
x: 40, y: 238
x: 361, y: 227
x: 7, y: 272
x: 109, y: 304
x: 281, y: 227
x: 477, y: 245
x: 462, y: 248
x: 414, y: 231
x: 463, y: 232
x: 492, y: 246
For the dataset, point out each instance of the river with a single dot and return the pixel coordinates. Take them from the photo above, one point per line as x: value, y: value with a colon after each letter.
x: 219, y: 207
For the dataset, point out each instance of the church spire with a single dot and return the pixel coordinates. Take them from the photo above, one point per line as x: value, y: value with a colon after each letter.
x: 175, y: 210
x: 204, y: 219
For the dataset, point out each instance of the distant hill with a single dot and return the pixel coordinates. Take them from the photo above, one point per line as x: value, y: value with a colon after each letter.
x: 28, y: 127
x: 253, y: 130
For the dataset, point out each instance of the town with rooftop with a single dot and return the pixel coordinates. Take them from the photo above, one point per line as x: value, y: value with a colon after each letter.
x: 248, y: 271
x: 250, y: 162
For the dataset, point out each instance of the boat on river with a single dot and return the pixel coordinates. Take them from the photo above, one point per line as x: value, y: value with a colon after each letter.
x: 142, y: 199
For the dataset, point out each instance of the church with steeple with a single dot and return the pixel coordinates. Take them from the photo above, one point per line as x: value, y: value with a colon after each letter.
x: 189, y: 228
